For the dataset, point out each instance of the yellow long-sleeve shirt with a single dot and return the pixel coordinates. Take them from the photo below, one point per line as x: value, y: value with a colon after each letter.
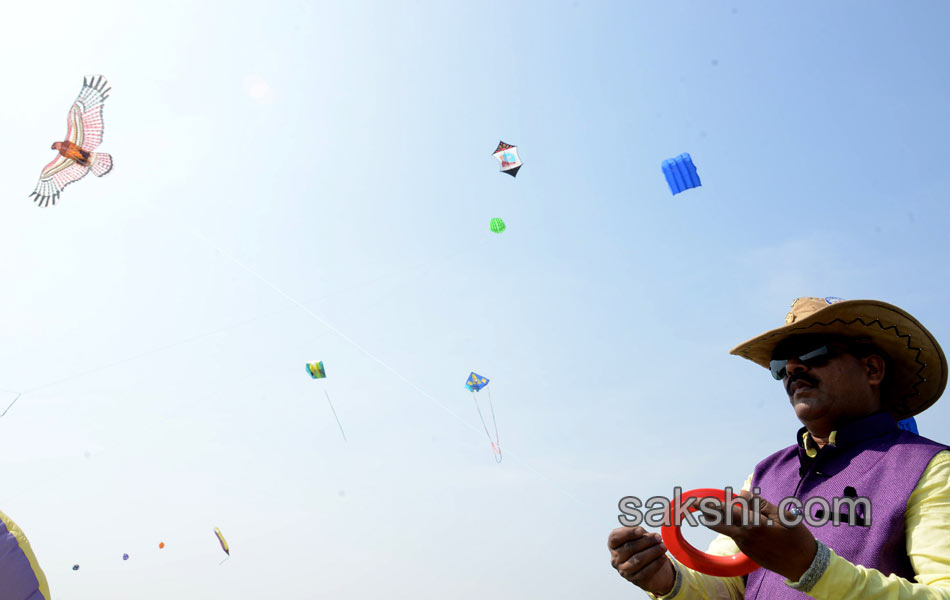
x: 927, y: 521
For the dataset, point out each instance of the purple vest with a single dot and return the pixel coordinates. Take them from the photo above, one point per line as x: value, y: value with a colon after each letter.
x: 871, y: 458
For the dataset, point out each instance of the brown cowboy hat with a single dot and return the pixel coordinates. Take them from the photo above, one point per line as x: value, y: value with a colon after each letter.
x: 918, y: 367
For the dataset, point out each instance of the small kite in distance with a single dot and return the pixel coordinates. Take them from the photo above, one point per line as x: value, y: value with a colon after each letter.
x: 507, y: 155
x: 316, y: 370
x: 83, y: 135
x: 475, y: 383
x: 497, y: 225
x: 223, y: 542
x: 681, y: 173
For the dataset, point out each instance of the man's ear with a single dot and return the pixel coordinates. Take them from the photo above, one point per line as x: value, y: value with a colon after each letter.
x: 874, y: 367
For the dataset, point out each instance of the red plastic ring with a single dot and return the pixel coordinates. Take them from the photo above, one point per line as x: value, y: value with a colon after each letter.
x: 717, y: 566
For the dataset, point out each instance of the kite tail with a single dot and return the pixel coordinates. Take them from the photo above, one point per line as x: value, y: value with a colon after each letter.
x: 496, y: 446
x: 496, y: 450
x: 223, y: 561
x: 100, y: 163
x: 334, y: 414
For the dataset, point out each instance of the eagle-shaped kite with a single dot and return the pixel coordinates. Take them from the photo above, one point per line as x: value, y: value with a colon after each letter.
x: 83, y: 135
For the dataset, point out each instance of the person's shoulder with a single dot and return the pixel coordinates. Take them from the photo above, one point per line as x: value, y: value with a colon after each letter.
x: 912, y: 439
x: 941, y: 458
x: 934, y: 482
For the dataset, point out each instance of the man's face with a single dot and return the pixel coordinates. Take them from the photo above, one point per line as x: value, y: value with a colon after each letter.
x: 827, y: 385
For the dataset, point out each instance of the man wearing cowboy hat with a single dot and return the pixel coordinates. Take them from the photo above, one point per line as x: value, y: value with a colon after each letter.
x: 851, y: 370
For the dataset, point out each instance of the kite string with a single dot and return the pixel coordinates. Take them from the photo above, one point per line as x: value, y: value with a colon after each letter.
x: 491, y: 405
x: 352, y: 342
x: 322, y: 321
x: 496, y: 450
x: 183, y: 341
x: 136, y: 357
x: 11, y: 404
x: 334, y: 414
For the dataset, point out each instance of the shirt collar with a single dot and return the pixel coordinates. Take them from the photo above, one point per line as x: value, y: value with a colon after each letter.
x: 849, y: 434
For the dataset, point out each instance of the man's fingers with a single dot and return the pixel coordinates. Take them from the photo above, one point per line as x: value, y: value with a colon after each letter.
x: 628, y: 550
x: 641, y: 565
x: 772, y: 511
x: 721, y: 527
x: 645, y: 574
x: 625, y: 535
x: 715, y: 511
x: 784, y: 517
x: 767, y: 508
x: 730, y: 520
x: 622, y: 535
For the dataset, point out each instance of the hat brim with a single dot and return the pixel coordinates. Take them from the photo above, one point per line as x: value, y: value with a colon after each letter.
x: 918, y: 365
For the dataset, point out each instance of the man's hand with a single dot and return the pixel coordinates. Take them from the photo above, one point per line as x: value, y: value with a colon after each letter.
x: 788, y: 551
x: 640, y: 558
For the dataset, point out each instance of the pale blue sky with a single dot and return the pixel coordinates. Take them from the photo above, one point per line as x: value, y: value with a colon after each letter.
x: 338, y: 156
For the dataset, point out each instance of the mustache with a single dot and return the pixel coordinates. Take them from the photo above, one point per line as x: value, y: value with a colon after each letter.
x: 800, y: 376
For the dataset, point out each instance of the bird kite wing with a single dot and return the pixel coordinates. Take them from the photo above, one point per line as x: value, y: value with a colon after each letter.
x: 83, y: 135
x: 55, y: 176
x: 84, y: 122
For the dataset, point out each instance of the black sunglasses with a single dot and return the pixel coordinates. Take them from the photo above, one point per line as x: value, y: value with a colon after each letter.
x: 818, y: 357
